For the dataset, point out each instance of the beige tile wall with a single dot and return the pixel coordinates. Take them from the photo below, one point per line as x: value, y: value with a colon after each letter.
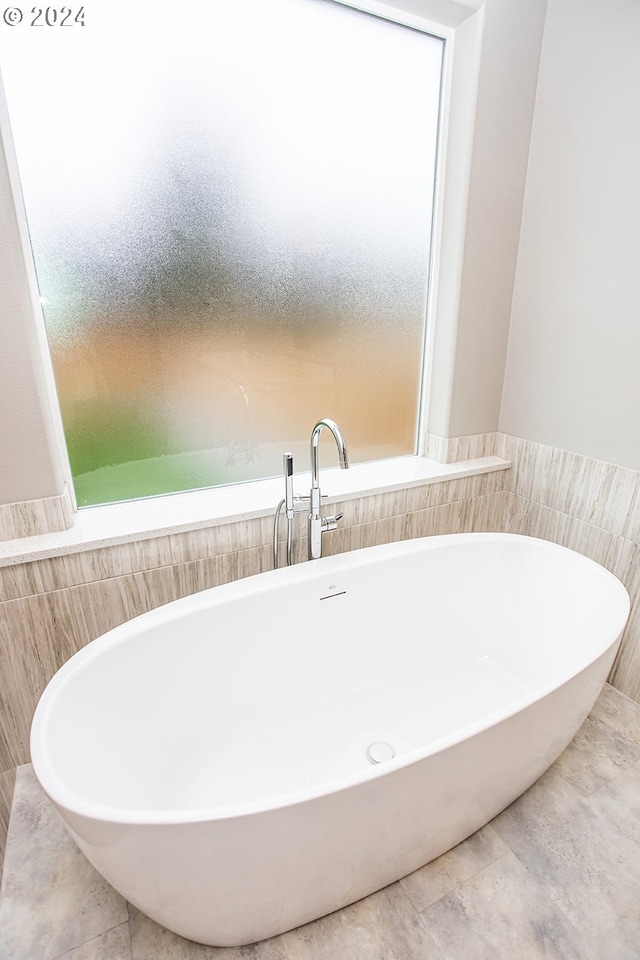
x: 590, y: 506
x: 455, y: 449
x: 31, y: 517
x: 51, y: 608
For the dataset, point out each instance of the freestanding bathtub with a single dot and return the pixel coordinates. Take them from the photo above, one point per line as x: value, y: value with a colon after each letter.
x: 214, y: 758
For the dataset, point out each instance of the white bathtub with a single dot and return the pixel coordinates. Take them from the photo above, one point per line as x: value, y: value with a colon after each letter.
x: 210, y: 757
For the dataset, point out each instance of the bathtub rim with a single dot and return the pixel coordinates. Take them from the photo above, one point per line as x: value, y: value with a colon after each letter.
x: 64, y: 798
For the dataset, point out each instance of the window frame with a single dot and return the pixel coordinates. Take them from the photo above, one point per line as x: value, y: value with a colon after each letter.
x: 460, y: 26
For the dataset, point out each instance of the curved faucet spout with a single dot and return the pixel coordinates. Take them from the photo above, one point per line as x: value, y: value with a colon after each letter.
x: 317, y: 523
x: 343, y: 454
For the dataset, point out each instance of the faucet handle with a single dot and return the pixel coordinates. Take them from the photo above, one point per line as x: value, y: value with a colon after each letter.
x: 302, y: 503
x: 331, y: 523
x: 287, y: 469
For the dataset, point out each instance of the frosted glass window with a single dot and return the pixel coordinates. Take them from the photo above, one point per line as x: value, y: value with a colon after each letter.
x: 230, y: 209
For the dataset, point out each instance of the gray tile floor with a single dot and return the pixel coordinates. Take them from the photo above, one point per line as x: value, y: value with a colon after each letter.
x: 556, y: 875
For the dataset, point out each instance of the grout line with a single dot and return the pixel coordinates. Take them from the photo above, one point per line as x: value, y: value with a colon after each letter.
x: 419, y: 914
x: 612, y: 780
x: 549, y: 894
x: 472, y: 876
x: 571, y: 516
x: 627, y: 838
x: 136, y: 573
x: 83, y: 943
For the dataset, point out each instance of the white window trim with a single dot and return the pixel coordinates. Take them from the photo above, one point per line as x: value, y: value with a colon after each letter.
x: 460, y: 25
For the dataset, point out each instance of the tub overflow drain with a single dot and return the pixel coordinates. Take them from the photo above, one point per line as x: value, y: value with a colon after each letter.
x: 379, y: 752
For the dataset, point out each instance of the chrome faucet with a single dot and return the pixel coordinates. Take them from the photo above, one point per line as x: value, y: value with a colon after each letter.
x: 317, y: 523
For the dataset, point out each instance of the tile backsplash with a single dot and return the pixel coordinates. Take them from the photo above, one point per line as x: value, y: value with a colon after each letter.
x: 590, y: 506
x: 36, y: 516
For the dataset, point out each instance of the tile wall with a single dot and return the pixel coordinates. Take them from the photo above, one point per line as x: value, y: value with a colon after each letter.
x: 454, y: 449
x: 588, y: 505
x: 51, y: 608
x: 36, y: 516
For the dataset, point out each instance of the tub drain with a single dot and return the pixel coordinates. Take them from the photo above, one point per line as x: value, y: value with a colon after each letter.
x: 379, y: 752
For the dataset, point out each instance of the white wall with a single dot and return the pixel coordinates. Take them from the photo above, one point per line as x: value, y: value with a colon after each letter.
x: 512, y: 40
x: 573, y: 370
x: 32, y: 465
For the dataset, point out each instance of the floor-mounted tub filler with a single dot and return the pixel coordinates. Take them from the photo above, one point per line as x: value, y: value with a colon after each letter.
x: 247, y: 759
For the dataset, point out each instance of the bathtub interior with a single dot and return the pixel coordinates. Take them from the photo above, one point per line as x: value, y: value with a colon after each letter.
x: 259, y: 692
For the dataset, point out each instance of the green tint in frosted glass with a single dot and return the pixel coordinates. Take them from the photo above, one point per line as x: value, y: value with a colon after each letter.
x: 230, y: 210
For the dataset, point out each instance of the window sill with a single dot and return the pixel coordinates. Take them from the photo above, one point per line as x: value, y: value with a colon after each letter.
x: 111, y: 524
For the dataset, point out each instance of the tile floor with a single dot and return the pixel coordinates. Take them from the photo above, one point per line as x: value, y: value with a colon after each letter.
x: 556, y: 875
